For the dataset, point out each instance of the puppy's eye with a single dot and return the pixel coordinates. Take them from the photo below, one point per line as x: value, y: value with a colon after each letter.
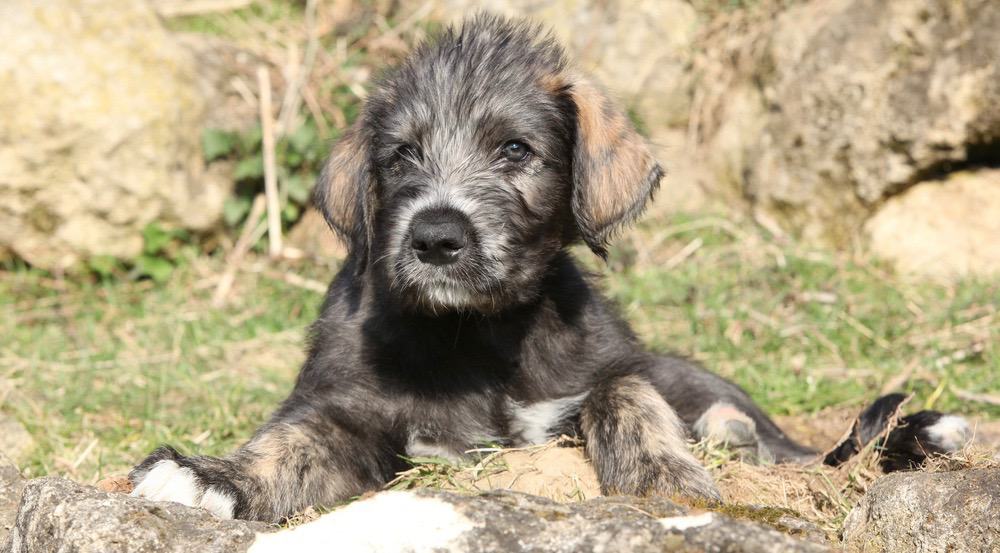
x: 515, y: 151
x: 408, y: 151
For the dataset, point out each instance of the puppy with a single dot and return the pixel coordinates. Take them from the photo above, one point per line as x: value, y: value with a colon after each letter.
x: 459, y: 318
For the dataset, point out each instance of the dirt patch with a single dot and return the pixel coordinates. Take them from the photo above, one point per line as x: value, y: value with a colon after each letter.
x: 820, y: 430
x: 555, y: 471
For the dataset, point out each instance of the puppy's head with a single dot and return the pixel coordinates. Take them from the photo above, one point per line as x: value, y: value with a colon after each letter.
x: 477, y: 161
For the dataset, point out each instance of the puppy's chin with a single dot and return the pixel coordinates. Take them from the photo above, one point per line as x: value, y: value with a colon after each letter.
x: 448, y: 295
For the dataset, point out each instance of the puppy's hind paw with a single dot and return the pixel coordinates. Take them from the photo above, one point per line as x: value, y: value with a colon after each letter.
x: 922, y: 435
x: 167, y: 476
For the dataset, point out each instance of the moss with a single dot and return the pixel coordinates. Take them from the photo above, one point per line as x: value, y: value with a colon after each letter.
x: 762, y: 514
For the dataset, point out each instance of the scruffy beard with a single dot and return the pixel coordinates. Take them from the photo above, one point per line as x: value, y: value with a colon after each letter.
x: 469, y: 287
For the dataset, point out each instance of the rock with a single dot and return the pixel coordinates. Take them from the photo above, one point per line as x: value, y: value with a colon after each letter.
x: 640, y: 50
x: 101, y: 131
x: 832, y: 107
x: 59, y: 515
x: 928, y: 512
x: 11, y: 485
x: 512, y: 522
x: 15, y: 441
x: 941, y: 228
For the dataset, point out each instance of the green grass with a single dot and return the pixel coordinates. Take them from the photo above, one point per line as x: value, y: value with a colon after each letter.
x: 100, y: 372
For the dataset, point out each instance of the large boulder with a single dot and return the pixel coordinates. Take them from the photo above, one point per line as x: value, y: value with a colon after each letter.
x: 512, y: 522
x: 954, y: 512
x: 58, y: 515
x: 11, y: 486
x: 831, y: 107
x: 100, y: 133
x: 944, y: 228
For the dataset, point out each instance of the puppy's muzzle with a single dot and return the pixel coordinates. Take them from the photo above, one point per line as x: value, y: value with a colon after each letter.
x: 439, y: 236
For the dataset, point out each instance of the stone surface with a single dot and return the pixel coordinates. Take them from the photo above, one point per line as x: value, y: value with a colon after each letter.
x: 101, y: 131
x: 11, y: 485
x: 831, y: 107
x: 59, y: 515
x: 512, y: 522
x: 928, y: 512
x: 942, y: 228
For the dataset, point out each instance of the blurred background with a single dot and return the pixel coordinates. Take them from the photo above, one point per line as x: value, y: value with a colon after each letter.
x: 829, y: 228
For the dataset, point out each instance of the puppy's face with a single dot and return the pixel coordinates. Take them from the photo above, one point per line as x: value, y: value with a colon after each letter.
x: 477, y: 161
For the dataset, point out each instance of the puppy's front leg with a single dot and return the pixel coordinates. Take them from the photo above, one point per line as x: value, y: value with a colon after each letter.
x: 289, y: 464
x: 637, y: 444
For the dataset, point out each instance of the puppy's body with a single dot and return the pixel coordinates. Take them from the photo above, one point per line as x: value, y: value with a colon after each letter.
x: 458, y: 318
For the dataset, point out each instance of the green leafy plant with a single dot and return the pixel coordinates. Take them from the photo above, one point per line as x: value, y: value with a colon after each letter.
x: 161, y: 252
x: 299, y: 156
x: 163, y: 249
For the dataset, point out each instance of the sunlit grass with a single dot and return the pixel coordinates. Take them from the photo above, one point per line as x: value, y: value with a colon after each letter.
x: 102, y: 372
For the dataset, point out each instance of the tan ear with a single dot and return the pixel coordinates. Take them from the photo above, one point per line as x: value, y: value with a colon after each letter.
x: 614, y: 174
x: 345, y: 190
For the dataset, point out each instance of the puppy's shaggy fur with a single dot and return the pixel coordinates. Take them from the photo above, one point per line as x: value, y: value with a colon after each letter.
x: 458, y: 318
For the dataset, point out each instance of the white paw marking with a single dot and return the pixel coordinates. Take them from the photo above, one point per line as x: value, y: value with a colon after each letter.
x: 388, y: 522
x: 714, y: 423
x: 950, y: 432
x: 533, y: 423
x: 168, y: 481
x: 685, y: 522
x: 218, y: 503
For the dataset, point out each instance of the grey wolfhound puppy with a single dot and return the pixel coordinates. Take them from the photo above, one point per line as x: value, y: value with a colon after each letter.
x: 459, y: 318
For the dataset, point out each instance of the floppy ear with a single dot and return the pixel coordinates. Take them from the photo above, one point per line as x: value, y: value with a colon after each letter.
x: 614, y: 174
x: 345, y: 191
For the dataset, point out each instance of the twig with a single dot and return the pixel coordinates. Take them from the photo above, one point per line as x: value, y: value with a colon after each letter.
x: 988, y: 399
x: 681, y: 256
x: 293, y: 92
x: 863, y: 330
x: 270, y: 169
x: 243, y: 245
x: 296, y: 280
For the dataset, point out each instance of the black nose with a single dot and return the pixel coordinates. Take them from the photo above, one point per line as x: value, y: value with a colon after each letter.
x: 438, y: 237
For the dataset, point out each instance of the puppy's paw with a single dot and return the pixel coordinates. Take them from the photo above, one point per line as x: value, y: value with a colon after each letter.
x: 726, y: 426
x: 688, y: 479
x: 665, y: 475
x: 166, y: 475
x: 922, y: 435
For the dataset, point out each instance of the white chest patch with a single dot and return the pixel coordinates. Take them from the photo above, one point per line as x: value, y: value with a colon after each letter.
x: 418, y: 447
x: 533, y: 424
x: 390, y: 521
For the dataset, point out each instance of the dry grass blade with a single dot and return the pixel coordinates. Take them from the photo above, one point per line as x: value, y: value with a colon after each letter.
x: 989, y: 399
x: 270, y: 165
x: 251, y: 232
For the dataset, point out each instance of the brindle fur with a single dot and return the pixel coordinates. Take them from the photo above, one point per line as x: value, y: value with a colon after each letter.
x: 408, y: 353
